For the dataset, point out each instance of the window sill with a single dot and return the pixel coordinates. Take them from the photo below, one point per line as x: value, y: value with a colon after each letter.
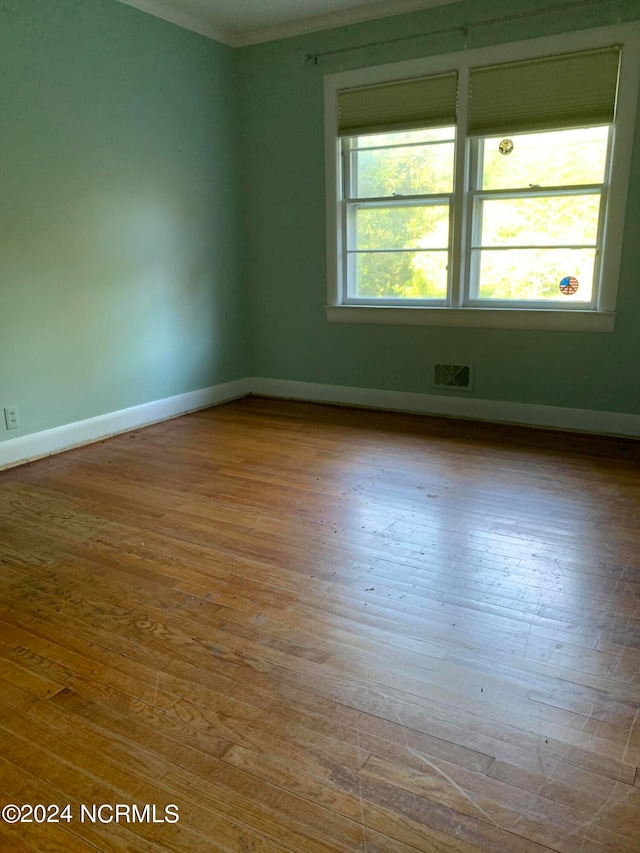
x: 479, y: 318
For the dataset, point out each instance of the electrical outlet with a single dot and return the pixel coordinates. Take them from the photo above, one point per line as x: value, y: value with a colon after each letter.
x: 11, y: 417
x: 395, y: 378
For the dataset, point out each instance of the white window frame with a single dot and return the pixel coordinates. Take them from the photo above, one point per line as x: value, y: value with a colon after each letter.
x: 596, y: 317
x: 351, y: 203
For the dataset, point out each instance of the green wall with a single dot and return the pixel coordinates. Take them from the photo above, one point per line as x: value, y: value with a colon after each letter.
x: 119, y: 251
x: 283, y: 174
x: 162, y: 219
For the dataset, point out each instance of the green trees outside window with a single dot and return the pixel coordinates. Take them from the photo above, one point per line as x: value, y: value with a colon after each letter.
x: 534, y: 215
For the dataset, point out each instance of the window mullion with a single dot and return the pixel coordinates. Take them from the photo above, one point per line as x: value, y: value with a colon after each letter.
x: 475, y: 219
x: 390, y: 147
x: 403, y: 200
x: 347, y: 218
x: 598, y: 301
x: 535, y: 192
x: 458, y: 258
x: 347, y: 165
x: 473, y: 225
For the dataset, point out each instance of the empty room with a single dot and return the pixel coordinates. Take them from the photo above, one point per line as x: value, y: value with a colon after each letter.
x: 319, y: 421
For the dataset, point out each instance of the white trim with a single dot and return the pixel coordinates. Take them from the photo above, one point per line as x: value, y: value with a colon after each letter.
x: 620, y: 167
x: 628, y: 35
x: 478, y: 318
x: 332, y: 20
x: 203, y: 26
x: 494, y: 411
x: 16, y: 451
x: 26, y: 448
x: 206, y: 26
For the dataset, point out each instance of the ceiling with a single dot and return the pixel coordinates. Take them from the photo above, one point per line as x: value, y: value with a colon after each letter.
x: 243, y: 22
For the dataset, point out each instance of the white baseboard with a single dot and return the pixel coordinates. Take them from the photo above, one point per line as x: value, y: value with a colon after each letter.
x: 25, y: 448
x: 495, y: 411
x: 16, y: 451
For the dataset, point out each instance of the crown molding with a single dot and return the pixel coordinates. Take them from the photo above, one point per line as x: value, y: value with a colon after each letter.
x: 333, y: 20
x: 244, y: 38
x: 202, y: 26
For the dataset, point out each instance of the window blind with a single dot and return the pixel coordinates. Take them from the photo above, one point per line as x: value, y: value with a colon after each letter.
x: 572, y: 90
x: 409, y: 104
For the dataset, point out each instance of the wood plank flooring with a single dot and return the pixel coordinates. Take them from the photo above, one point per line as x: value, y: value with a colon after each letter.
x: 324, y: 630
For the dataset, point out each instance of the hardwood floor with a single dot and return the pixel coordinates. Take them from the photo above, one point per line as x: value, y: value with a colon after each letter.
x: 316, y: 629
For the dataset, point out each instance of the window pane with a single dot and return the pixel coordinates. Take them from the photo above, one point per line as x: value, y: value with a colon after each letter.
x: 401, y: 275
x: 402, y: 227
x: 564, y: 219
x: 555, y: 159
x: 405, y: 137
x: 404, y: 170
x: 536, y: 274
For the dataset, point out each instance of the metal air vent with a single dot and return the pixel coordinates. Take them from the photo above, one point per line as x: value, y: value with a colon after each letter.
x: 452, y: 376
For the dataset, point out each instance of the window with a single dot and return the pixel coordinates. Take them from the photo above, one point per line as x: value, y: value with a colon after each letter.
x: 482, y: 193
x: 535, y: 217
x: 398, y: 200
